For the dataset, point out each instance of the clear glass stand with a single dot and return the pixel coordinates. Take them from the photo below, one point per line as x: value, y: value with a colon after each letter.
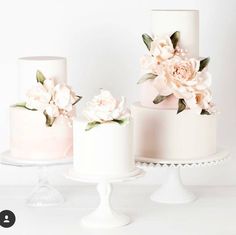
x: 43, y: 194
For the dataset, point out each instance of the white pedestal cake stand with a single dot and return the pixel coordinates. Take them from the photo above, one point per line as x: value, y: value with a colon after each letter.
x: 172, y: 190
x: 104, y: 216
x: 43, y: 194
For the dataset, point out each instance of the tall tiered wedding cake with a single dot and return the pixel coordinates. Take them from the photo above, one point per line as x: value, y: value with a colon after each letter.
x: 175, y: 118
x: 41, y: 127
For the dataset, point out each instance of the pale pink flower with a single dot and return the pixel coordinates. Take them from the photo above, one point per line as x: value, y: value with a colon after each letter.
x: 104, y: 107
x: 64, y: 97
x: 52, y: 110
x: 162, y: 48
x: 38, y: 97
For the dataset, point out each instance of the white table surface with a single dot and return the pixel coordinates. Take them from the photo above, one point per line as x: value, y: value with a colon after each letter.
x: 214, y: 213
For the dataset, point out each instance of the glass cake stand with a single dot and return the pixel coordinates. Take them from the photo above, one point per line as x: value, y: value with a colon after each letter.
x: 104, y: 216
x: 43, y: 194
x: 172, y: 190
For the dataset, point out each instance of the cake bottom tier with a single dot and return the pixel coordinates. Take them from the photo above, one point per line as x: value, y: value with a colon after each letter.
x: 31, y: 139
x: 162, y: 134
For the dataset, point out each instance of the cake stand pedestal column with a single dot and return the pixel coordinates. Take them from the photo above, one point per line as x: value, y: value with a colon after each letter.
x: 104, y: 216
x: 43, y: 194
x: 172, y: 190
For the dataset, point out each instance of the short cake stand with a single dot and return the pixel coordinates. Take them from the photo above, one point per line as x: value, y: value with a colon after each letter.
x: 172, y: 190
x: 43, y: 194
x: 104, y: 216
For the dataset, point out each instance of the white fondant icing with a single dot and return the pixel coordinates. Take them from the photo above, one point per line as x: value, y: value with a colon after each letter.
x: 105, y: 150
x: 185, y: 21
x: 51, y: 67
x: 164, y: 134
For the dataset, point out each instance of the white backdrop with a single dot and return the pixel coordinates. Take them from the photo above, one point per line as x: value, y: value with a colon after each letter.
x: 102, y: 42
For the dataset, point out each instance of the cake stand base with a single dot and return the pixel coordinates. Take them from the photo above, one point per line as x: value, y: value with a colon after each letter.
x: 43, y: 194
x: 172, y: 190
x: 105, y: 216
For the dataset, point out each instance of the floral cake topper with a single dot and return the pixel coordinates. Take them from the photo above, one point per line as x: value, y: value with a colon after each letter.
x: 105, y: 108
x: 173, y: 73
x: 51, y: 98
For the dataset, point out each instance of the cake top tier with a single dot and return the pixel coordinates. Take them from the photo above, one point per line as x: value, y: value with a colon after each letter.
x: 185, y: 21
x: 52, y: 67
x: 42, y: 58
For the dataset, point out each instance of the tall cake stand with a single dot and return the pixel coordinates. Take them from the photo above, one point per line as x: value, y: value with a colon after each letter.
x: 173, y: 190
x: 43, y: 194
x: 104, y: 216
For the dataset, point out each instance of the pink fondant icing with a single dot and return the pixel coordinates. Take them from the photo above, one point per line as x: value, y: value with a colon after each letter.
x: 30, y: 138
x: 148, y: 93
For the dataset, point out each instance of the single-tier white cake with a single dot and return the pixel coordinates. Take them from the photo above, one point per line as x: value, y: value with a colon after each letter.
x: 175, y: 118
x: 164, y: 135
x: 103, y: 140
x: 41, y: 127
x: 105, y: 150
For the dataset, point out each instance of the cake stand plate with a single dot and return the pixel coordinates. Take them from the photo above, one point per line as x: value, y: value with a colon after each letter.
x: 43, y: 194
x: 104, y: 216
x: 172, y: 190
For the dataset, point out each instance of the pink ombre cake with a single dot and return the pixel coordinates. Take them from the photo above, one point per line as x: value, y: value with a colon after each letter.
x: 41, y: 126
x: 31, y: 139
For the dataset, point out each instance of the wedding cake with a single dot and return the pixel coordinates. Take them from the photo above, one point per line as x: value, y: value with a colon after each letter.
x: 175, y: 118
x: 41, y: 126
x: 103, y: 139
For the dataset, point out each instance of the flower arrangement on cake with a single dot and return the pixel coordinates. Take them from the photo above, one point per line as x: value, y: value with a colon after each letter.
x: 105, y: 108
x: 173, y: 73
x: 50, y: 98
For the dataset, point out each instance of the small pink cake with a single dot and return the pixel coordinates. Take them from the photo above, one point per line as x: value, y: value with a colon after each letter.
x: 31, y: 139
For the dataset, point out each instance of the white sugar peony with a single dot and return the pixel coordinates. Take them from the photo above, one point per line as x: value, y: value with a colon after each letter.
x: 64, y: 97
x: 49, y: 84
x: 182, y: 78
x: 201, y: 99
x: 104, y: 107
x: 52, y: 110
x: 38, y: 97
x: 162, y: 48
x: 150, y: 65
x: 51, y: 99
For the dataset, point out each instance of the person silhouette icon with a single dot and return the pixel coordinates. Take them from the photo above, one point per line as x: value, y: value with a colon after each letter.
x: 6, y: 219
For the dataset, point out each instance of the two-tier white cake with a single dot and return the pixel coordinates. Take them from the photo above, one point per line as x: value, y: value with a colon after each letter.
x: 41, y: 127
x: 174, y: 79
